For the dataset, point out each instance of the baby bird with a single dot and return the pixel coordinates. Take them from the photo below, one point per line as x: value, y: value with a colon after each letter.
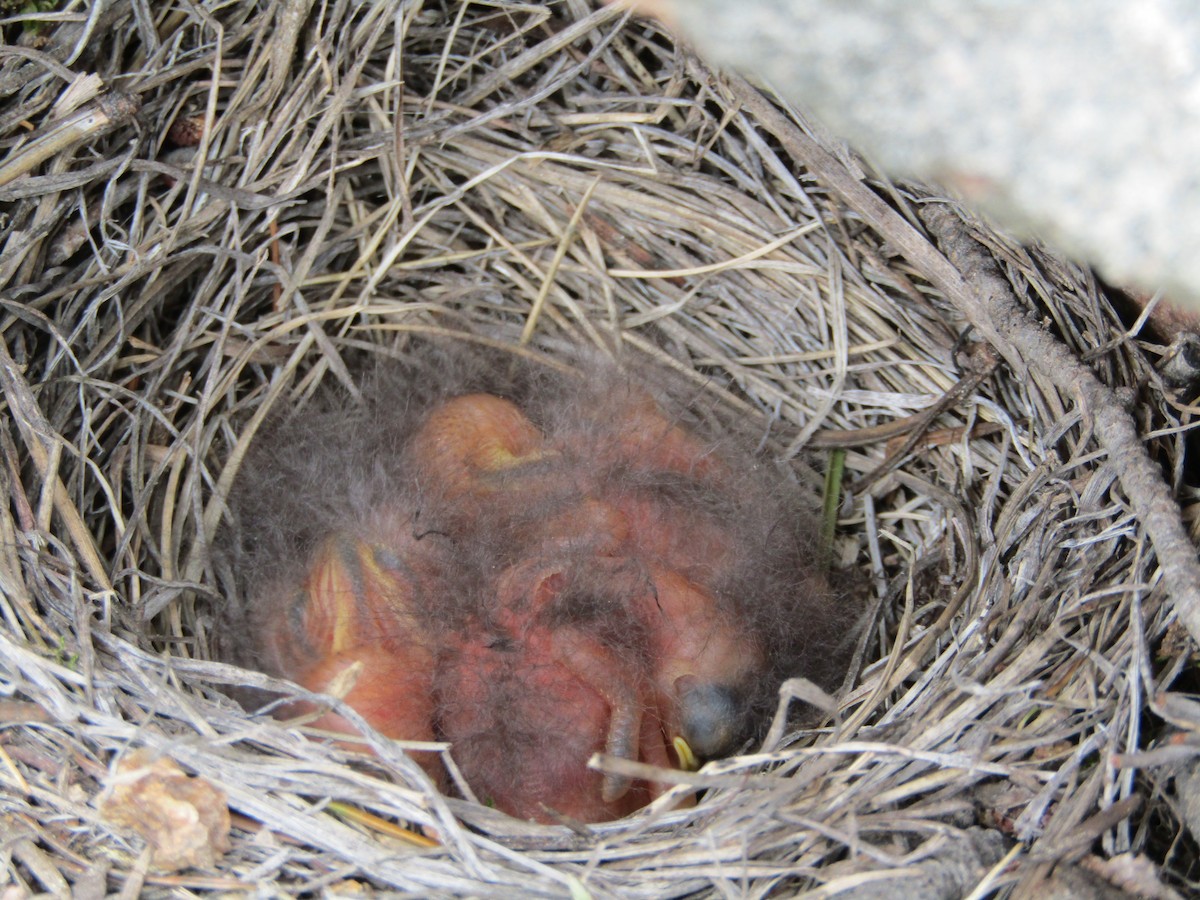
x: 351, y: 629
x: 535, y: 576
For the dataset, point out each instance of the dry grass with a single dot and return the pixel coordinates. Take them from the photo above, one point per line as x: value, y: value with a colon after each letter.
x: 308, y: 185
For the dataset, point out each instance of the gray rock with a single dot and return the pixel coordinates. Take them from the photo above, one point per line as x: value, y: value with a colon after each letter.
x: 1075, y: 122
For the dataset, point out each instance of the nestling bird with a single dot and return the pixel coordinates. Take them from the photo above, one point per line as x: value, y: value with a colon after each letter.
x: 534, y: 569
x: 349, y: 626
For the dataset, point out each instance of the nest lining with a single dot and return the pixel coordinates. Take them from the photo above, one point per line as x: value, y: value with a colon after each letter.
x: 537, y: 178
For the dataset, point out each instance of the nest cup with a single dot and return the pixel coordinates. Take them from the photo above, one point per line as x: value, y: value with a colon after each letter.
x: 304, y: 190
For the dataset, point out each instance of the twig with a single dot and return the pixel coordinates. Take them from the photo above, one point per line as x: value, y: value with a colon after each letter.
x: 106, y: 114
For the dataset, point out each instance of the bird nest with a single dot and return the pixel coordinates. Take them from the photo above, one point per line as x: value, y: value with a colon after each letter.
x: 214, y: 213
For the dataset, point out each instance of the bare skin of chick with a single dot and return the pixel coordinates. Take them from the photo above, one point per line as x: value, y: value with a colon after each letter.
x: 606, y: 625
x: 526, y: 707
x: 605, y: 655
x: 537, y: 666
x: 470, y: 448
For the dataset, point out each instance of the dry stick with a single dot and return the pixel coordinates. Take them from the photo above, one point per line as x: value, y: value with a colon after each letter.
x: 100, y: 117
x: 988, y: 303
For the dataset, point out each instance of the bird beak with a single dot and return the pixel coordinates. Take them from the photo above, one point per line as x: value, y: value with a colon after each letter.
x: 685, y: 756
